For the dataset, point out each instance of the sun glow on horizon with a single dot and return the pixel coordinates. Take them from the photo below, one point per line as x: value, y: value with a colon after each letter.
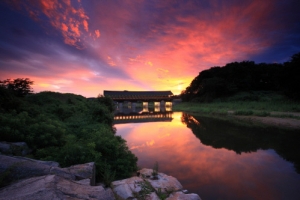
x: 134, y: 45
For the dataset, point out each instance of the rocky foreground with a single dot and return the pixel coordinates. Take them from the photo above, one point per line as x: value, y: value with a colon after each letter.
x: 33, y: 179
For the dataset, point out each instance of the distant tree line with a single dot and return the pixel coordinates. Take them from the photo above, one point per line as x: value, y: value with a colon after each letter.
x: 218, y: 82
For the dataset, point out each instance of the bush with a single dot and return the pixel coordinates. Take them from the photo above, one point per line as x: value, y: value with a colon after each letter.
x: 69, y: 129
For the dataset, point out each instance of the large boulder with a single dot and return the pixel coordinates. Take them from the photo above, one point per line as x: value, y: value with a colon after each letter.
x: 162, y: 181
x: 14, y: 148
x: 84, y: 171
x: 182, y: 196
x: 17, y: 168
x: 145, y: 186
x: 53, y: 187
x: 127, y: 188
x: 50, y: 163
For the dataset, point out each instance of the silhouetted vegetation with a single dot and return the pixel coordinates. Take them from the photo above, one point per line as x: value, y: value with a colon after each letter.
x: 19, y: 87
x: 258, y: 103
x: 66, y: 128
x: 236, y: 77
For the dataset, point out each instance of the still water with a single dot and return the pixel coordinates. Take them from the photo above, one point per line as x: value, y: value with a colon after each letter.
x: 217, y: 159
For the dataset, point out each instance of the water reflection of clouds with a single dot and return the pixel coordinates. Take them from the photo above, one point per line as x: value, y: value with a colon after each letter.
x: 208, y: 171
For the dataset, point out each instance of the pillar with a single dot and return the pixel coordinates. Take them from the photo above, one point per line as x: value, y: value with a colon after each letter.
x: 133, y: 106
x: 120, y: 107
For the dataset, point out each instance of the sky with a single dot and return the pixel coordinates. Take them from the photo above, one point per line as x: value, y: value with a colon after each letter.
x: 87, y: 46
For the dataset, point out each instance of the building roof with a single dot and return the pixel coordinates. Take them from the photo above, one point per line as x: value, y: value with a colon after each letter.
x: 139, y: 93
x: 136, y: 95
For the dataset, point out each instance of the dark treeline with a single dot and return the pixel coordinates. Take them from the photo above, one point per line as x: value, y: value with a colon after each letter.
x: 66, y: 128
x: 218, y: 82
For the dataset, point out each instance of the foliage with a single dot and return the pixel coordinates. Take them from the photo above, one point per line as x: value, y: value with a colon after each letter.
x: 163, y: 194
x: 69, y: 129
x: 108, y: 176
x: 245, y: 103
x: 146, y: 189
x: 107, y: 101
x: 289, y: 78
x: 155, y: 170
x: 20, y: 86
x: 236, y: 77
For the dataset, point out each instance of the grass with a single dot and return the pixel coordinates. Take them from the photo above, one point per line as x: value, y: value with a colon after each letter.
x: 257, y: 104
x: 146, y: 189
x: 155, y: 170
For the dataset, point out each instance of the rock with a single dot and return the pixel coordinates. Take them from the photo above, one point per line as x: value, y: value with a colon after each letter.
x: 127, y: 187
x: 15, y: 148
x: 83, y: 171
x: 182, y: 196
x: 86, y: 181
x: 152, y: 196
x: 146, y: 188
x: 49, y: 163
x: 164, y: 182
x: 21, y: 168
x: 44, y: 180
x: 53, y: 187
x: 5, y: 148
x: 63, y: 172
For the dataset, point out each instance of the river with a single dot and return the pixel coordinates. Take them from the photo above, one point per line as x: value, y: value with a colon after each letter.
x: 218, y: 159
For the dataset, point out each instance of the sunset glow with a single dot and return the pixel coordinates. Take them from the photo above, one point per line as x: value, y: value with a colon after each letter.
x: 205, y: 170
x: 85, y: 47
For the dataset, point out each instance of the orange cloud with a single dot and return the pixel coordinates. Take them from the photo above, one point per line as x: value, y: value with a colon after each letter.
x: 63, y: 16
x: 97, y: 33
x: 153, y: 46
x: 194, y: 44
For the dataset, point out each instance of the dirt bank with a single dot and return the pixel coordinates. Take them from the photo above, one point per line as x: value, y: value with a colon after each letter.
x: 275, y: 121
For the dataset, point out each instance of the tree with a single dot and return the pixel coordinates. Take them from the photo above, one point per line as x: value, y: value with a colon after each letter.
x: 107, y: 101
x: 290, y: 77
x: 20, y: 86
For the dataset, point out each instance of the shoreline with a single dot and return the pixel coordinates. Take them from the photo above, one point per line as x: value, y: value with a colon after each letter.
x: 276, y: 119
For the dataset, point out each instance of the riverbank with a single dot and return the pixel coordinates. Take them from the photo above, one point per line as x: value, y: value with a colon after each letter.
x: 282, y: 116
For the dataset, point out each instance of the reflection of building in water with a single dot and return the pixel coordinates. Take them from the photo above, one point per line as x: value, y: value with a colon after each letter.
x: 142, y: 117
x: 168, y: 106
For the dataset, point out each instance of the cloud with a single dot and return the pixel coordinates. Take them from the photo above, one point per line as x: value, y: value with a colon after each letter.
x: 97, y: 33
x: 190, y: 43
x: 149, y: 63
x: 69, y: 18
x: 162, y: 70
x: 142, y: 45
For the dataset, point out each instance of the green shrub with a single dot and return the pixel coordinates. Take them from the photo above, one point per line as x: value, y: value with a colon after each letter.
x: 69, y: 129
